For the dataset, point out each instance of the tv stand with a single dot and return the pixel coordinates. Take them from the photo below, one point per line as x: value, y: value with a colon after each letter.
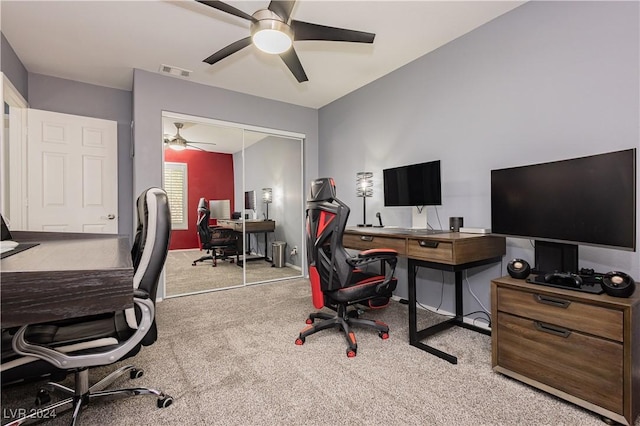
x: 580, y: 347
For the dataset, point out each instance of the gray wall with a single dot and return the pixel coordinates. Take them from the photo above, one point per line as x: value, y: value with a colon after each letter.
x: 72, y: 97
x: 12, y: 67
x: 547, y: 81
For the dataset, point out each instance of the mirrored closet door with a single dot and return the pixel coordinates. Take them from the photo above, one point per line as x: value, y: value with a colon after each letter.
x: 237, y: 203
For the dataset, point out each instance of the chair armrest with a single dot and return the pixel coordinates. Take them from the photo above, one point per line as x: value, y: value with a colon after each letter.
x: 66, y: 361
x: 140, y: 294
x: 378, y: 252
x: 389, y: 256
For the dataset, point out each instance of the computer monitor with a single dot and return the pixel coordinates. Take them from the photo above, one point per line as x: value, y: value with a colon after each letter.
x: 220, y: 209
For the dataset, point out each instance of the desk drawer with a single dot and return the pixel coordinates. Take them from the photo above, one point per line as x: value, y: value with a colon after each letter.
x: 596, y: 320
x: 430, y: 250
x: 581, y: 365
x: 366, y: 242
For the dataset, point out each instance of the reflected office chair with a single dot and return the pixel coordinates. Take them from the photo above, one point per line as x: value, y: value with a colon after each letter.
x: 74, y: 346
x: 336, y: 278
x: 219, y: 242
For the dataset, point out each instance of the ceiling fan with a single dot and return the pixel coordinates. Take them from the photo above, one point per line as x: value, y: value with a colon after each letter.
x: 272, y: 31
x: 178, y: 143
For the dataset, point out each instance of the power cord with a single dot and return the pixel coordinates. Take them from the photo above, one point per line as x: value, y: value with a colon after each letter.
x: 466, y: 278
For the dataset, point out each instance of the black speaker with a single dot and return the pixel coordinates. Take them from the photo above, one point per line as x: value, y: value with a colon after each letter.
x: 519, y: 268
x: 455, y: 223
x: 618, y: 284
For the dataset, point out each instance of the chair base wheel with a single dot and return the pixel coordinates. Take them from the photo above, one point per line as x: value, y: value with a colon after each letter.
x: 136, y: 373
x: 165, y: 401
x: 300, y: 341
x: 383, y: 335
x: 351, y: 353
x: 42, y: 398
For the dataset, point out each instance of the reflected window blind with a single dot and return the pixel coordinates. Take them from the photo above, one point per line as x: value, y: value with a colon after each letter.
x: 175, y: 184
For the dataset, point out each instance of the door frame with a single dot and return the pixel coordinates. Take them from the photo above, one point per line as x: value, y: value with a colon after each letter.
x: 13, y: 205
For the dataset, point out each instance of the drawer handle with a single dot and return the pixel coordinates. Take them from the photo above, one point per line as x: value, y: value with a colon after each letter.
x: 427, y: 243
x: 552, y: 329
x: 559, y: 303
x: 368, y: 238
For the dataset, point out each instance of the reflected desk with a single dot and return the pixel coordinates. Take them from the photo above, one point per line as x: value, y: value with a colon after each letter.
x: 250, y: 227
x: 441, y: 250
x: 66, y: 275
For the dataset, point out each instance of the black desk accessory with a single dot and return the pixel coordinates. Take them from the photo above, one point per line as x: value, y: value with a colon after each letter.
x: 379, y: 221
x: 584, y: 282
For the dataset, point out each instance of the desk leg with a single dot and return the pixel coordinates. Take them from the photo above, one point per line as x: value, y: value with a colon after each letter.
x: 414, y: 338
x: 266, y: 252
x: 413, y: 321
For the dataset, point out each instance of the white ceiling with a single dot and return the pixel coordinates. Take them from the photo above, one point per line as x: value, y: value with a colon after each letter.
x: 101, y: 42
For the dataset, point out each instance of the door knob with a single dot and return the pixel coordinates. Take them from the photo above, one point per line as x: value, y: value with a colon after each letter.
x: 111, y: 216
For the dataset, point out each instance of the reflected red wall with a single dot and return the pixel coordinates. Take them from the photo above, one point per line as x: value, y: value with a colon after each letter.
x: 209, y: 175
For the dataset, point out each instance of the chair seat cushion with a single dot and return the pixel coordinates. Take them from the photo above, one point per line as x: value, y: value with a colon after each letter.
x: 364, y: 286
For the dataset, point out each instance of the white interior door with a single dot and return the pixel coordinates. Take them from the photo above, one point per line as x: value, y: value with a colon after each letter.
x: 72, y: 173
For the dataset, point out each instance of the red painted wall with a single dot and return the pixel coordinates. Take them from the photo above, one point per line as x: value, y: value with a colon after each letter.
x: 209, y: 175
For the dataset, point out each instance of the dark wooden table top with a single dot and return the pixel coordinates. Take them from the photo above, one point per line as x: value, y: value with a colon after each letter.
x: 66, y: 275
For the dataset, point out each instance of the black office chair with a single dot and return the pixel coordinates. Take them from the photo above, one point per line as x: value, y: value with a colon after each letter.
x: 74, y: 346
x: 219, y: 242
x: 336, y: 278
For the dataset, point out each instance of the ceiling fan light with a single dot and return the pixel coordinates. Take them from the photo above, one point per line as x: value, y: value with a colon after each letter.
x: 177, y: 145
x: 271, y: 36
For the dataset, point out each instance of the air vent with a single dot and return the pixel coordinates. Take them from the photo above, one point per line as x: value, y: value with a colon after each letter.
x: 175, y: 71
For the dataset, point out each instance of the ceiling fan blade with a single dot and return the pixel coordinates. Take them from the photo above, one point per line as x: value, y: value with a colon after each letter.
x: 227, y: 8
x: 290, y: 58
x: 229, y: 50
x: 282, y: 8
x: 308, y: 31
x: 195, y: 147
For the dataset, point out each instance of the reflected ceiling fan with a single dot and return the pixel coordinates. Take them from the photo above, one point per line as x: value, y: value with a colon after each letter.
x: 178, y: 143
x: 272, y: 31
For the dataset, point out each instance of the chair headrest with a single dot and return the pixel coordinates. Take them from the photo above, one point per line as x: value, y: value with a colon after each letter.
x: 323, y: 189
x: 202, y: 205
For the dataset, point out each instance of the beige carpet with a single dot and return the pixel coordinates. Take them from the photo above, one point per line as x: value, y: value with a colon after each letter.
x: 184, y: 278
x: 229, y: 358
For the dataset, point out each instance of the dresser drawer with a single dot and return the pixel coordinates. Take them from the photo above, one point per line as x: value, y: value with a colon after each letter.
x: 585, y: 366
x: 366, y: 242
x: 591, y: 319
x: 430, y: 250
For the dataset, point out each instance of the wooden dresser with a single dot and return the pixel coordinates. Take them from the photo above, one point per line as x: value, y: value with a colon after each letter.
x: 580, y: 347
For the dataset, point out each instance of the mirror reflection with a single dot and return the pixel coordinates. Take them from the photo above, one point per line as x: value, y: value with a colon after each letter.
x: 236, y: 201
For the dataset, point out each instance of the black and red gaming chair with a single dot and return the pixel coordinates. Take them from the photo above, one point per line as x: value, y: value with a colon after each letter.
x: 336, y: 278
x: 219, y: 242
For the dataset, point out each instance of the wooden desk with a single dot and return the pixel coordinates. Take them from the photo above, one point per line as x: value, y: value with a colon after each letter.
x: 67, y: 275
x: 446, y: 251
x: 250, y: 227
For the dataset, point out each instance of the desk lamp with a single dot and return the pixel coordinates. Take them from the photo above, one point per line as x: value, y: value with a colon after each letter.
x: 267, y: 198
x: 364, y: 189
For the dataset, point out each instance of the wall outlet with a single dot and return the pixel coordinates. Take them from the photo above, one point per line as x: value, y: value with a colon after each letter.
x: 294, y: 251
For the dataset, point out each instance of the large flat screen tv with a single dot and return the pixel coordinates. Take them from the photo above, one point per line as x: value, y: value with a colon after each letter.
x: 413, y: 185
x: 587, y: 200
